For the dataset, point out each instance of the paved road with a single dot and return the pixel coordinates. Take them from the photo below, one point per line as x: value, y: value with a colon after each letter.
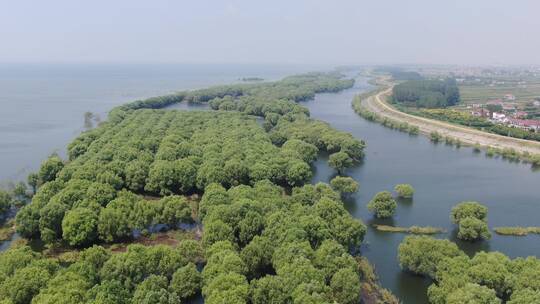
x: 469, y: 136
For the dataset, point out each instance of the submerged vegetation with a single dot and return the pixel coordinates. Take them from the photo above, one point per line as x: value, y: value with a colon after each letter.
x: 404, y: 190
x: 412, y: 229
x: 471, y: 218
x: 487, y: 277
x: 517, y: 231
x: 383, y: 205
x: 344, y: 184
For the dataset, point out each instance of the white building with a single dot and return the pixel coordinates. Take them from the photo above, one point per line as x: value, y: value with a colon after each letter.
x: 499, y: 117
x: 509, y: 97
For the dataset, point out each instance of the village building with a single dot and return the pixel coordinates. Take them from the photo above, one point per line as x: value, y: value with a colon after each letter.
x: 508, y: 107
x: 495, y: 102
x: 481, y: 112
x: 510, y: 97
x: 520, y: 114
x: 499, y: 117
x: 525, y: 124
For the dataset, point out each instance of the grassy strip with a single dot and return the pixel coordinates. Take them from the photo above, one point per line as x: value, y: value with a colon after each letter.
x: 387, y: 122
x: 511, y: 154
x: 517, y: 231
x: 412, y: 229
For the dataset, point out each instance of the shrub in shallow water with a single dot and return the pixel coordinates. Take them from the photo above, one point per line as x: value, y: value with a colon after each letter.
x: 383, y: 205
x: 404, y: 190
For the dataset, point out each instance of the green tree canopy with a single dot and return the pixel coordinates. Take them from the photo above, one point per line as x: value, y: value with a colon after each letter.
x: 79, y: 227
x: 186, y: 281
x: 471, y: 229
x: 50, y: 168
x: 383, y: 205
x: 340, y: 161
x: 422, y: 254
x: 5, y: 201
x: 404, y: 190
x: 468, y: 209
x: 344, y: 184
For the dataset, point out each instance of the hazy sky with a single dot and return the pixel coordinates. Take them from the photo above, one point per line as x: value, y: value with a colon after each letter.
x: 272, y: 31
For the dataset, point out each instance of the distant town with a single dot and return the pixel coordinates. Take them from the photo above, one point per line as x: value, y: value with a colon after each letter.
x: 508, y: 112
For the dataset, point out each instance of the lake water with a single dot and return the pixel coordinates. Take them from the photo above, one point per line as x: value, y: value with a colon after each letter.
x: 42, y: 109
x: 42, y: 106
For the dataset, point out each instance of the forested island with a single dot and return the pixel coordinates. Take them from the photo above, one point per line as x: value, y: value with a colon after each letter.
x: 267, y: 235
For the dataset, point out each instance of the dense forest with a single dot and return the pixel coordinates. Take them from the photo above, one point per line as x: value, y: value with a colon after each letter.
x: 259, y: 246
x: 405, y: 75
x: 427, y: 93
x: 267, y: 235
x: 399, y: 73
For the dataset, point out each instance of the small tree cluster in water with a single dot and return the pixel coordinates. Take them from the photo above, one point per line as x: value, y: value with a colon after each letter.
x: 383, y: 205
x: 471, y: 218
x: 488, y: 277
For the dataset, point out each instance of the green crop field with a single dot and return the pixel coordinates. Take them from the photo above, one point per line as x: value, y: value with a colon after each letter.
x: 480, y: 93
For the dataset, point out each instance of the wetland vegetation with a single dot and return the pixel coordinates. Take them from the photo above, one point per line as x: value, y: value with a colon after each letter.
x: 268, y: 235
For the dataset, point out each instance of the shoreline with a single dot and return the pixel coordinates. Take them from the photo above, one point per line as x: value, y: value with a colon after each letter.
x: 468, y: 136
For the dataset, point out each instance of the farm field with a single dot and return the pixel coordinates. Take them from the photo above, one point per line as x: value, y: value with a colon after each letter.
x: 482, y: 92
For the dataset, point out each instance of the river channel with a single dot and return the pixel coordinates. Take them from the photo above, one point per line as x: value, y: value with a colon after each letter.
x: 442, y: 177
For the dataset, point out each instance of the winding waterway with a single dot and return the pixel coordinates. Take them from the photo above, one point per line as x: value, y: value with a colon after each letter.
x: 442, y: 176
